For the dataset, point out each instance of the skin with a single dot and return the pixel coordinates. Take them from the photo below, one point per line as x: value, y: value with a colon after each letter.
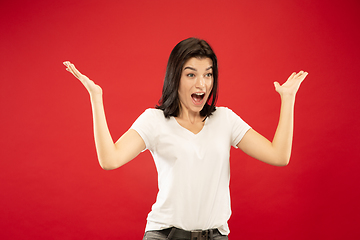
x: 196, y: 77
x: 278, y: 151
x: 110, y: 155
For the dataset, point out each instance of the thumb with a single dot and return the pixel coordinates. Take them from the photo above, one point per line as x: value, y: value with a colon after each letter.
x: 276, y: 84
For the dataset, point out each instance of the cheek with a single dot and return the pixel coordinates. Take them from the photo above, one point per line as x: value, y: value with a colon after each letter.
x: 181, y: 92
x: 210, y: 85
x: 209, y: 90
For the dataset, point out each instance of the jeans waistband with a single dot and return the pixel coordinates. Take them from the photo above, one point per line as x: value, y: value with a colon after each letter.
x: 174, y: 233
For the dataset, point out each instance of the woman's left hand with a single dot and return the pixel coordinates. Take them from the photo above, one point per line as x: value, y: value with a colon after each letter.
x: 291, y: 86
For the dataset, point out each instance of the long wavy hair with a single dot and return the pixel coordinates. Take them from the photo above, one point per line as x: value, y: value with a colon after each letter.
x: 183, y: 51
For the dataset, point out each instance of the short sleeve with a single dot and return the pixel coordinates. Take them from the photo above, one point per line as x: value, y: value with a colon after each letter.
x: 145, y: 126
x: 238, y: 127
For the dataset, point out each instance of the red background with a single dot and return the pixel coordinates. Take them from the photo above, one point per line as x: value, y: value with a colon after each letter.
x: 51, y: 186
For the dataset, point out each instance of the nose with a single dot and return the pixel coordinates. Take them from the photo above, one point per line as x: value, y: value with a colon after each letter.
x: 200, y: 82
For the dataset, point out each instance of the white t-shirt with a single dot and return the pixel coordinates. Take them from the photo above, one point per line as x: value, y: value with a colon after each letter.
x: 193, y: 169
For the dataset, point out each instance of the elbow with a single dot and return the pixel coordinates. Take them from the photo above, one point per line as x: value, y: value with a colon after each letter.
x: 282, y: 162
x: 107, y: 168
x: 107, y: 165
x: 276, y: 161
x: 281, y: 159
x: 111, y: 163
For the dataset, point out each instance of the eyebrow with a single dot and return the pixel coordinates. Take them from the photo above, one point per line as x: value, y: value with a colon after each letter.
x: 191, y: 68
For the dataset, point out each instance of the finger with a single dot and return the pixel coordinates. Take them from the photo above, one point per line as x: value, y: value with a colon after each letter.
x: 75, y: 70
x: 276, y: 84
x: 76, y: 73
x: 70, y: 69
x: 66, y: 63
x: 304, y: 76
x: 299, y: 74
x: 292, y: 75
x: 68, y: 66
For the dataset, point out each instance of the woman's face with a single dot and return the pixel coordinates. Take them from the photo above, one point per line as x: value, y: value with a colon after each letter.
x: 196, y: 83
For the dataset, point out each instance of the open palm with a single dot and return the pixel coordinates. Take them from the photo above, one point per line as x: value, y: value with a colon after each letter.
x: 291, y: 86
x: 90, y: 86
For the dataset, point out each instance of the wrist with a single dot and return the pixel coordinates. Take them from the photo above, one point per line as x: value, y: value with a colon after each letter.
x: 288, y: 99
x: 96, y: 97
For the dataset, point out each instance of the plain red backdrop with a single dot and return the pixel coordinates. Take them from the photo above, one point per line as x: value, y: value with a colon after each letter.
x: 51, y: 186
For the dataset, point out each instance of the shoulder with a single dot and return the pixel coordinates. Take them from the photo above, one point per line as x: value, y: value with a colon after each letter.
x: 223, y: 112
x: 226, y: 116
x: 149, y: 120
x: 153, y: 113
x: 222, y: 109
x: 151, y: 117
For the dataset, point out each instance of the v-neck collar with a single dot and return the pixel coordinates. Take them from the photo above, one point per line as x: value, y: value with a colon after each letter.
x: 187, y: 130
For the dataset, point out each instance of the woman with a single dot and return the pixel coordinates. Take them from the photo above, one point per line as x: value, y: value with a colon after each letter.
x: 190, y: 140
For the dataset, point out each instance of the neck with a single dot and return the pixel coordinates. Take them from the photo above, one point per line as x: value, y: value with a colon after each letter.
x: 189, y: 116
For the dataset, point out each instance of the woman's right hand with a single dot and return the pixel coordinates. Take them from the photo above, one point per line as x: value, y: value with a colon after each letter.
x: 90, y: 86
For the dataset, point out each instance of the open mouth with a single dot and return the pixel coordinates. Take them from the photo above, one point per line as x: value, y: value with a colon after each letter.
x: 197, y: 97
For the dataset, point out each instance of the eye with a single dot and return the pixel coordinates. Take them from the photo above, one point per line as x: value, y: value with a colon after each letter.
x: 208, y: 75
x: 190, y: 75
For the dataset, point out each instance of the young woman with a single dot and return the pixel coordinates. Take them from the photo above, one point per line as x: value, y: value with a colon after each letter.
x: 190, y: 140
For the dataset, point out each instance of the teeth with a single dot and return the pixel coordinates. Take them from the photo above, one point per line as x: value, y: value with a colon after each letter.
x: 199, y: 94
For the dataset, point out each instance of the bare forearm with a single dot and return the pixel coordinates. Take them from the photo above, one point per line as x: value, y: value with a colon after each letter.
x: 111, y: 155
x: 282, y: 141
x: 104, y: 143
x: 278, y: 151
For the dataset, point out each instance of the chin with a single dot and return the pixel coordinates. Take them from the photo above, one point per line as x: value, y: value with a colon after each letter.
x: 197, y: 108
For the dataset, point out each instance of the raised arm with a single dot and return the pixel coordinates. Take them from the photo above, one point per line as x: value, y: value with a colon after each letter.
x: 111, y: 155
x: 278, y: 151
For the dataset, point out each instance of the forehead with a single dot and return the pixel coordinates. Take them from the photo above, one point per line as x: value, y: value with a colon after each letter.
x: 198, y: 63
